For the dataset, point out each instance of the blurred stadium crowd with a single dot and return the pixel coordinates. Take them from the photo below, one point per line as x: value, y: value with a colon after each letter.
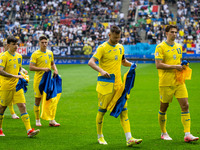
x: 80, y: 22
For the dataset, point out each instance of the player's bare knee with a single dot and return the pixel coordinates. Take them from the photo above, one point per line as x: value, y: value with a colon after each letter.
x: 37, y: 101
x: 2, y: 109
x: 164, y: 106
x: 185, y: 107
x: 22, y: 107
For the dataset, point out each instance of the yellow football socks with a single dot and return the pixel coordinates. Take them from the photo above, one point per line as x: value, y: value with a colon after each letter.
x: 185, y: 119
x: 26, y: 120
x: 1, y: 120
x: 37, y: 112
x: 11, y: 109
x: 99, y: 121
x: 162, y: 119
x: 125, y: 121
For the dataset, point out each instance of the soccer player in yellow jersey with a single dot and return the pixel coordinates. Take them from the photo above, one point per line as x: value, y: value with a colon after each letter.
x: 10, y: 65
x: 110, y: 56
x: 41, y: 61
x: 13, y: 114
x: 168, y: 55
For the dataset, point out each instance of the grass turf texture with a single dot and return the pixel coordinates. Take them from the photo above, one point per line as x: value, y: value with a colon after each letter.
x: 77, y: 110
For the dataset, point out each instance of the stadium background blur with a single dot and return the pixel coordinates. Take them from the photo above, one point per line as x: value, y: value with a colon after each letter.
x: 77, y: 27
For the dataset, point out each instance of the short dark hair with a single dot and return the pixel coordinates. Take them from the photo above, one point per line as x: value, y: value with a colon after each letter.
x: 12, y: 39
x: 42, y: 37
x: 115, y: 29
x: 170, y: 27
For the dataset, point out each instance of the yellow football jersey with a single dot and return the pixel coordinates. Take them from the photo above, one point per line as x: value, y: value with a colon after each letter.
x: 110, y: 59
x: 171, y: 55
x: 42, y: 60
x: 11, y: 64
x: 0, y: 75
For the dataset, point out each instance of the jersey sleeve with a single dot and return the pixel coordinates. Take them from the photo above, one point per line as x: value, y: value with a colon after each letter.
x: 99, y: 53
x: 181, y: 51
x: 33, y: 58
x: 3, y: 61
x: 159, y: 53
x: 52, y: 57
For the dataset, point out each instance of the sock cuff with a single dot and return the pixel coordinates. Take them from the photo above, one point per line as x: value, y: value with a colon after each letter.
x: 24, y: 114
x: 162, y: 113
x: 36, y: 105
x: 185, y: 112
x: 102, y: 110
x: 124, y: 109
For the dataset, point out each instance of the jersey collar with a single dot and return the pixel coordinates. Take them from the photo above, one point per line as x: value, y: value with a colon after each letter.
x: 11, y: 54
x: 43, y: 52
x: 110, y: 44
x: 169, y: 45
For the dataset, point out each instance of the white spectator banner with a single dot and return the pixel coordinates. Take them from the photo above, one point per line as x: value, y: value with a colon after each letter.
x: 20, y: 50
x: 57, y: 51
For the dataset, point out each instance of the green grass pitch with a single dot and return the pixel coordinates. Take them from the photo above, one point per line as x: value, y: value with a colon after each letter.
x: 77, y: 110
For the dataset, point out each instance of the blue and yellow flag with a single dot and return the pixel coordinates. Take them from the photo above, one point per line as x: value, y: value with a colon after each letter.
x: 22, y: 83
x: 185, y: 74
x: 123, y: 93
x: 51, y: 89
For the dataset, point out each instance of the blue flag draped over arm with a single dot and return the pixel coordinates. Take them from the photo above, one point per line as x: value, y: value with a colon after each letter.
x: 51, y: 89
x: 129, y: 83
x: 22, y: 83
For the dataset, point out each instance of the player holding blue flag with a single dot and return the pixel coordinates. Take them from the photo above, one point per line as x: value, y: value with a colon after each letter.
x: 168, y: 55
x: 110, y: 56
x: 41, y: 61
x: 10, y: 65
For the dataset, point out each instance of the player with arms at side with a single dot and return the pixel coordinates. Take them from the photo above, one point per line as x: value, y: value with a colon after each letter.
x: 10, y: 65
x: 41, y: 61
x: 110, y: 55
x: 168, y: 55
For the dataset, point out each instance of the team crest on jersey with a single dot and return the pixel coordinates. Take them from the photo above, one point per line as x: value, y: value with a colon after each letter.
x: 157, y: 53
x: 116, y: 57
x: 19, y: 60
x: 174, y: 56
x: 115, y: 50
x: 1, y: 61
x: 49, y: 56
